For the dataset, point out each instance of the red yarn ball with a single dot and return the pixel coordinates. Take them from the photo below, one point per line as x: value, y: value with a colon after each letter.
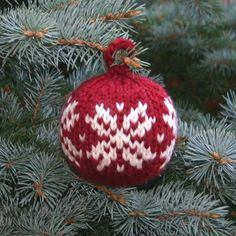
x: 119, y: 128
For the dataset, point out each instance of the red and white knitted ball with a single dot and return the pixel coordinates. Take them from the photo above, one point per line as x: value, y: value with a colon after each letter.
x: 119, y: 128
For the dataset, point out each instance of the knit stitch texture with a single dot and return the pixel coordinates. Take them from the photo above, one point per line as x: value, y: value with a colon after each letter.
x: 119, y: 128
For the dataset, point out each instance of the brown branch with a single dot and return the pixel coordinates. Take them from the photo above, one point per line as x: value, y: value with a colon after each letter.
x: 65, y: 42
x: 115, y: 197
x: 171, y: 36
x: 222, y: 160
x: 70, y: 221
x: 7, y: 89
x: 233, y: 213
x: 119, y: 16
x: 63, y: 5
x: 181, y: 139
x: 80, y: 42
x: 133, y: 62
x: 35, y: 34
x: 129, y: 61
x: 137, y: 213
x: 202, y: 214
x: 219, y: 62
x: 193, y: 212
x: 39, y: 189
x: 41, y: 93
x: 9, y: 165
x: 141, y: 28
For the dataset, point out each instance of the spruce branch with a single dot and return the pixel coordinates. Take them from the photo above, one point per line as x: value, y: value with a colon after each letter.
x: 115, y: 197
x: 166, y: 34
x: 181, y: 139
x: 193, y: 213
x: 204, y: 211
x: 226, y: 193
x: 222, y: 160
x: 202, y: 11
x: 41, y: 221
x: 199, y: 58
x: 48, y: 200
x: 37, y: 102
x: 138, y: 216
x: 5, y: 224
x: 187, y: 112
x: 119, y: 16
x: 210, y: 121
x: 48, y: 134
x: 165, y: 210
x: 229, y: 108
x: 113, y: 10
x: 35, y: 34
x: 220, y: 62
x: 43, y: 93
x: 107, y: 17
x: 187, y: 130
x: 14, y: 119
x: 10, y: 108
x: 191, y: 125
x: 82, y: 73
x: 31, y: 33
x: 60, y: 6
x: 25, y: 32
x: 5, y: 187
x: 171, y: 209
x: 102, y: 199
x: 75, y: 210
x: 43, y: 178
x: 80, y: 42
x: 11, y: 158
x: 211, y: 157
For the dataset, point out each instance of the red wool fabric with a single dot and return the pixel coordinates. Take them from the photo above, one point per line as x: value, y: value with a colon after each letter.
x: 118, y: 129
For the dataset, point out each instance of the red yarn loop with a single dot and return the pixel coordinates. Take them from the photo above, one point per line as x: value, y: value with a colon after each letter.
x: 117, y: 44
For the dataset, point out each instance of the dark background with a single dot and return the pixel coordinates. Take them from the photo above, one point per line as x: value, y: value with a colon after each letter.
x: 8, y: 3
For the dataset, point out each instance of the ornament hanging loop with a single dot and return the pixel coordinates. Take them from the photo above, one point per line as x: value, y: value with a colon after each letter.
x: 121, y: 52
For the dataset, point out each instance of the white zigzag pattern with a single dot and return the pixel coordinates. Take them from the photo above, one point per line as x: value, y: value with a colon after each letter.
x: 66, y: 122
x: 71, y: 152
x: 167, y: 153
x: 120, y: 138
x: 171, y: 120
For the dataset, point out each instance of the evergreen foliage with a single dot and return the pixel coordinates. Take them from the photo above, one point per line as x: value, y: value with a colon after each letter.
x: 47, y: 48
x: 192, y: 44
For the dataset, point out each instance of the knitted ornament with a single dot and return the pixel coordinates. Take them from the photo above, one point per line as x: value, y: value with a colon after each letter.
x: 119, y: 128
